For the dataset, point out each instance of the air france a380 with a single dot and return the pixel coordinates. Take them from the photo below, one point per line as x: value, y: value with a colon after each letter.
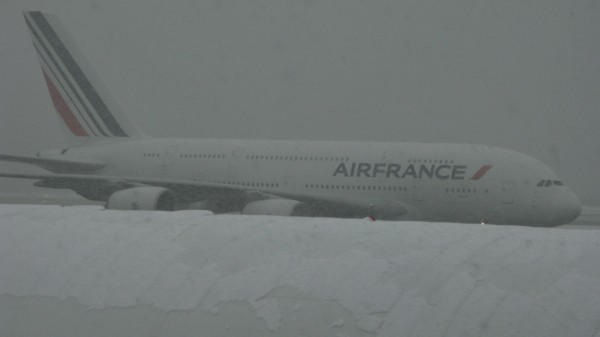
x: 108, y: 158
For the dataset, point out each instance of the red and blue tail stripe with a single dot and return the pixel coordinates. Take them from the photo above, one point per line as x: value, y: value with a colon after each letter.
x: 75, y: 98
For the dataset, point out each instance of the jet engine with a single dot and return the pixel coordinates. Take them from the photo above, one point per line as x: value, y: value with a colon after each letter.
x: 143, y: 198
x: 283, y: 207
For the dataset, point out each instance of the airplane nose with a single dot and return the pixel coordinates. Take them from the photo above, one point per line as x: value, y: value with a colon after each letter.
x: 567, y: 207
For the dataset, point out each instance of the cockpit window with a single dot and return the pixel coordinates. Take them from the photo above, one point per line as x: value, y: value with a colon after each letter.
x: 546, y: 183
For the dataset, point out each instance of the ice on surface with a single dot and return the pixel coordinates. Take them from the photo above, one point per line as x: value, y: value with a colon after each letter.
x: 281, y: 275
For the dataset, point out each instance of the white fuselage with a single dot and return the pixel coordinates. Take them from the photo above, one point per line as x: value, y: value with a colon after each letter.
x: 437, y: 182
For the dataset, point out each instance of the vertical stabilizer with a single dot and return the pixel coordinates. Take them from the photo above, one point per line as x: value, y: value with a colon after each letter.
x: 87, y: 110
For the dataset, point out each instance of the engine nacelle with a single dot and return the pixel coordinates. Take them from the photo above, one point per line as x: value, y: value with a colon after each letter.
x: 143, y: 198
x: 283, y: 207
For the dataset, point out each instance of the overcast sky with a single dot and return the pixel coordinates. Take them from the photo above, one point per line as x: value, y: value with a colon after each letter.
x: 523, y: 75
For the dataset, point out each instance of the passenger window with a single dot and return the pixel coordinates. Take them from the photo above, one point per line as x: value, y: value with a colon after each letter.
x: 557, y: 182
x: 541, y: 183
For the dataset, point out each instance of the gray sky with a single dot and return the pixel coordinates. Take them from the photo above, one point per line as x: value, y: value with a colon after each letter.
x: 523, y: 75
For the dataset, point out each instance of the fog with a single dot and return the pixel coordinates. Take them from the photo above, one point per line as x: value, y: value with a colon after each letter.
x: 523, y: 75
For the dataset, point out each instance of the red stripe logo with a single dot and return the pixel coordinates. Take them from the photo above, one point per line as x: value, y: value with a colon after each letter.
x: 481, y: 172
x: 63, y: 109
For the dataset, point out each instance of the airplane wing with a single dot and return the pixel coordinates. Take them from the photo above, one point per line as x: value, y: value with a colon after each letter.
x: 97, y: 187
x: 57, y: 165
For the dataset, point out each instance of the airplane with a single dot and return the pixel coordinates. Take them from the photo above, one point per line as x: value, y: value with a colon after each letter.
x: 107, y: 158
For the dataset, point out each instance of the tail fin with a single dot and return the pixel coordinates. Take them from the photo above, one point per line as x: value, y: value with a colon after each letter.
x: 87, y: 109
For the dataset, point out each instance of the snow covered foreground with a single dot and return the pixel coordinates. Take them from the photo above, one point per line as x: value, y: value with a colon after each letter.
x: 86, y: 271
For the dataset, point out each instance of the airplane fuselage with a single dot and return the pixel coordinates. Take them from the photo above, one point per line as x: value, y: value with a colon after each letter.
x: 437, y: 182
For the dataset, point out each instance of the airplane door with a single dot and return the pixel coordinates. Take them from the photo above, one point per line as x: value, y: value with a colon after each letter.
x: 170, y: 154
x: 419, y: 194
x: 289, y: 183
x: 168, y: 160
x: 234, y: 162
x: 389, y: 156
x: 508, y: 192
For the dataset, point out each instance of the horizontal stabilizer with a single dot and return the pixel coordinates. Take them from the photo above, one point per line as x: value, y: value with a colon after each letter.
x: 57, y: 165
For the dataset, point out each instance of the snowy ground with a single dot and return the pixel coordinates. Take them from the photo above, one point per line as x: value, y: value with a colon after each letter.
x: 589, y: 219
x: 83, y: 270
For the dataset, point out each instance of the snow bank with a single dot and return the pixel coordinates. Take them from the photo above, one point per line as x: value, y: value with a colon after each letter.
x: 88, y: 271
